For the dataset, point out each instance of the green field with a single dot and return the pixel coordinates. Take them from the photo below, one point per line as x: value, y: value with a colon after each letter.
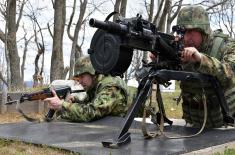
x: 227, y: 151
x: 170, y: 104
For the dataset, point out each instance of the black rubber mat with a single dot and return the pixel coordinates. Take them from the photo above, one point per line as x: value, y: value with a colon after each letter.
x: 86, y: 138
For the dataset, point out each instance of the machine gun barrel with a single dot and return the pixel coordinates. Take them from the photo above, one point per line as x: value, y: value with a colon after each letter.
x: 108, y: 26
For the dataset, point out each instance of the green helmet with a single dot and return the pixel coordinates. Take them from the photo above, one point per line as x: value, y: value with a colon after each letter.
x: 83, y: 65
x: 194, y: 17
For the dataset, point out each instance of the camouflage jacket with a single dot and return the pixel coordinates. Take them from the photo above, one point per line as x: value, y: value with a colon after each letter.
x: 218, y: 60
x: 108, y: 96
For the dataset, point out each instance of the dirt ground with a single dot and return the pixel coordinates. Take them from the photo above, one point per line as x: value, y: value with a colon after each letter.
x: 16, y: 117
x: 9, y: 147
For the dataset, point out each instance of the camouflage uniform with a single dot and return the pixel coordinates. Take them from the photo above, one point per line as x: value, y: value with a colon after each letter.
x: 218, y: 60
x: 107, y: 96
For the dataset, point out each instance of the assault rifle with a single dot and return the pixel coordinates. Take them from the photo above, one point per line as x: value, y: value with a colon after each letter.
x: 111, y: 52
x: 61, y: 91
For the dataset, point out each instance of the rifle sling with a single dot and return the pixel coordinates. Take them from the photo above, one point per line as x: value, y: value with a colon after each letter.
x: 160, y: 124
x: 28, y: 118
x: 155, y: 117
x: 146, y: 134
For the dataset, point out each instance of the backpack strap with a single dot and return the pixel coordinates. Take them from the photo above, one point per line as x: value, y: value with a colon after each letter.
x: 219, y: 39
x: 107, y: 81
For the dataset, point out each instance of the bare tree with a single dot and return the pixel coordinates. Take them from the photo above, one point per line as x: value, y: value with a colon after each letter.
x: 120, y: 7
x: 3, y: 79
x: 135, y: 65
x: 57, y: 62
x: 166, y: 13
x: 37, y: 77
x: 222, y: 16
x: 3, y: 99
x: 12, y: 47
x: 26, y: 43
x: 172, y: 13
x: 80, y: 25
x: 6, y: 48
x: 123, y: 8
x: 8, y: 10
x: 117, y: 8
x: 229, y: 17
x: 76, y: 49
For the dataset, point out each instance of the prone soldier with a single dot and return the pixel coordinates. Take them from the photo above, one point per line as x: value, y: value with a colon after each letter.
x: 106, y: 95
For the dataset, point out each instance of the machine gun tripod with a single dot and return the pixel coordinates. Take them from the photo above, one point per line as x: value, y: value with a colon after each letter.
x: 162, y: 76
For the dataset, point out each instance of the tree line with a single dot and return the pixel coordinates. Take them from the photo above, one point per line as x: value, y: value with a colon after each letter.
x: 70, y: 17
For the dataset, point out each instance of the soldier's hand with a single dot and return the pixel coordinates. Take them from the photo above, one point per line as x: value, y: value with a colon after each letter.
x: 191, y: 54
x: 70, y: 99
x: 54, y: 102
x: 152, y: 56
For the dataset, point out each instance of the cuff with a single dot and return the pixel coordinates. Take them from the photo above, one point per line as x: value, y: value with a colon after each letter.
x: 66, y: 105
x: 201, y: 66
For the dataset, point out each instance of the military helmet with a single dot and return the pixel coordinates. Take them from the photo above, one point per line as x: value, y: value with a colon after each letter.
x: 194, y: 17
x: 83, y: 65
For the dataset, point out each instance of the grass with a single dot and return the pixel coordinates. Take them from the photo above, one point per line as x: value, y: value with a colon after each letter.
x: 15, y: 117
x: 28, y: 90
x: 227, y: 151
x: 171, y: 108
x: 9, y: 147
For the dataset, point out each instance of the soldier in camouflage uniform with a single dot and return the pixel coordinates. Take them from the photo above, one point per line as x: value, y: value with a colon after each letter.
x: 106, y: 95
x: 210, y: 53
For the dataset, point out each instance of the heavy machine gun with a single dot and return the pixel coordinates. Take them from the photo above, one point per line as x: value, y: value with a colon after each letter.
x: 113, y: 43
x: 111, y: 52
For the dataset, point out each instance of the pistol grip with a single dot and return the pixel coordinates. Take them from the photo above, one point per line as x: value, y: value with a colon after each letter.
x: 49, y: 115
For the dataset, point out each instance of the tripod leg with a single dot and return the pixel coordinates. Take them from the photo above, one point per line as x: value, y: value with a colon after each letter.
x: 161, y: 108
x: 124, y: 136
